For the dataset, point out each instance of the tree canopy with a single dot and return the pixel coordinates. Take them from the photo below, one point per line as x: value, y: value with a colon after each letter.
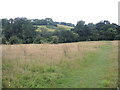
x: 23, y: 30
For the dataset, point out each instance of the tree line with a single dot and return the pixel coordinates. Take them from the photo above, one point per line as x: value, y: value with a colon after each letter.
x: 23, y: 31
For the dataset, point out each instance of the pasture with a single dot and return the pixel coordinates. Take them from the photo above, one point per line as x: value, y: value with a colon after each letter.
x: 91, y: 64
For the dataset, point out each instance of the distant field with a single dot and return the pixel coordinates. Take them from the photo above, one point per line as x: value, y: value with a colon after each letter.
x: 66, y: 27
x: 68, y: 65
x: 53, y: 28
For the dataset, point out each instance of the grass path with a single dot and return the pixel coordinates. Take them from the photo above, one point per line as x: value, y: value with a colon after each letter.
x: 93, y: 72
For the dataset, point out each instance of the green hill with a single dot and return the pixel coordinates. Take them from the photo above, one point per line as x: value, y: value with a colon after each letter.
x: 52, y: 28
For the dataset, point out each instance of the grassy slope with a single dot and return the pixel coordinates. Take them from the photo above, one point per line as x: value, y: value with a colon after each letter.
x: 95, y: 70
x: 53, y: 28
x: 66, y: 27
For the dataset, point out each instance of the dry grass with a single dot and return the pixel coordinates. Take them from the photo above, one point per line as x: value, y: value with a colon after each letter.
x: 66, y: 27
x: 44, y: 54
x: 48, y: 52
x: 115, y: 43
x: 43, y: 27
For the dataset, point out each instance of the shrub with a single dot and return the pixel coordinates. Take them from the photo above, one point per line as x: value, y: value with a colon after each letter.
x: 40, y: 40
x: 54, y: 39
x: 117, y: 37
x: 4, y: 40
x: 106, y: 83
x: 14, y: 40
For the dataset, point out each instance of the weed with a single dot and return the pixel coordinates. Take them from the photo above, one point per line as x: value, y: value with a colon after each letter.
x: 105, y: 83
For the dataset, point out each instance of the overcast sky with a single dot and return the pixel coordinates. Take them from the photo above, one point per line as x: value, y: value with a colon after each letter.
x: 61, y: 10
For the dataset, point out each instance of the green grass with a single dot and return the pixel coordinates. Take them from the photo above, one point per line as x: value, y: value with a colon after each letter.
x: 95, y: 70
x: 92, y: 72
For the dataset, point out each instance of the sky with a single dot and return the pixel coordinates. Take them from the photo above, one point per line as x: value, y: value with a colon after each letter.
x: 71, y: 11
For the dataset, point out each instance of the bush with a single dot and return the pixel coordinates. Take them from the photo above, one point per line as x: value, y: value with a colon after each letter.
x: 14, y: 40
x: 37, y: 40
x: 40, y: 40
x: 54, y: 39
x: 4, y: 40
x: 106, y: 83
x: 117, y: 37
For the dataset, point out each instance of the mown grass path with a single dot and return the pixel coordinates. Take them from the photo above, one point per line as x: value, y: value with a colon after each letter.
x: 93, y: 72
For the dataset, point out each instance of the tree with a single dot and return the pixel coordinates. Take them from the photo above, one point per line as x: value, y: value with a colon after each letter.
x: 22, y: 30
x: 94, y: 35
x: 46, y: 21
x: 106, y: 30
x: 83, y: 31
x: 20, y: 27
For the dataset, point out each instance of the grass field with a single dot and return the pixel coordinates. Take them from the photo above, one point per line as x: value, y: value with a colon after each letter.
x: 53, y: 28
x: 68, y: 65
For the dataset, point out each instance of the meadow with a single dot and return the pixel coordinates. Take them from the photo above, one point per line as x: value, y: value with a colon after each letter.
x: 91, y: 64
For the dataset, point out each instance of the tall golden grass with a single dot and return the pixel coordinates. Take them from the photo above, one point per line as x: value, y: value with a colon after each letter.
x: 46, y: 53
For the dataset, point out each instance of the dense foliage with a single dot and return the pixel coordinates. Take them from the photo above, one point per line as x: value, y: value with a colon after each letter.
x: 23, y: 30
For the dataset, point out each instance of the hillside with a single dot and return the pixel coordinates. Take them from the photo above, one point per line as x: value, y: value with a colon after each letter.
x: 53, y: 28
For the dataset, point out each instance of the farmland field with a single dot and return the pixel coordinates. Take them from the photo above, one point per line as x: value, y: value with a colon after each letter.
x: 70, y: 65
